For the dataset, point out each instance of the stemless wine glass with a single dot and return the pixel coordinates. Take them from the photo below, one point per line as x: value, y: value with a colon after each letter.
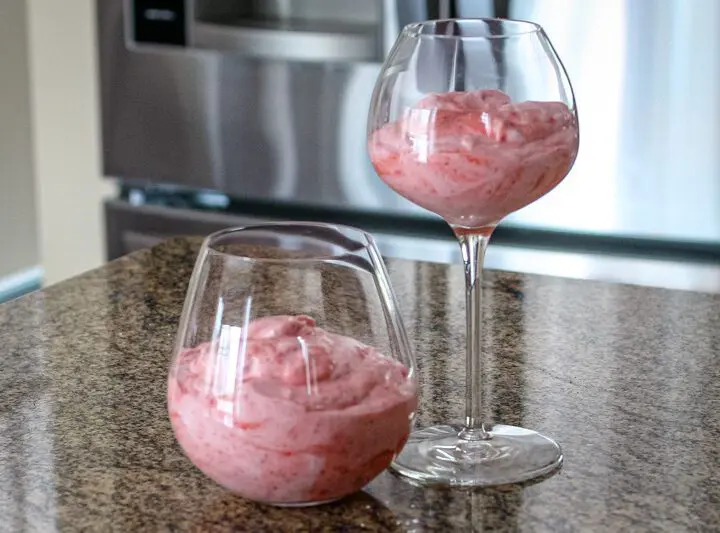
x: 473, y: 119
x: 292, y: 381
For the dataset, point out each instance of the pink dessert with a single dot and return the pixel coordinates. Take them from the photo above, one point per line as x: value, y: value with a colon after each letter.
x: 302, y: 416
x: 475, y: 157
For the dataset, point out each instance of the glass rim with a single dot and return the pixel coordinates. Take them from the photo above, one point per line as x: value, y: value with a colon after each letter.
x: 528, y: 26
x: 209, y: 241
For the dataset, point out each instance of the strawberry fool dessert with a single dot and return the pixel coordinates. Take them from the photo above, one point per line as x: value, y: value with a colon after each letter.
x: 474, y: 157
x: 293, y: 415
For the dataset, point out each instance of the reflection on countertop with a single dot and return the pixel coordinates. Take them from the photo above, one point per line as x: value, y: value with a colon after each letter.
x: 626, y: 378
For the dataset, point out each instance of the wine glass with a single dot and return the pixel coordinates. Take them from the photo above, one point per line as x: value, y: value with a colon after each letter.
x: 473, y: 119
x: 292, y: 380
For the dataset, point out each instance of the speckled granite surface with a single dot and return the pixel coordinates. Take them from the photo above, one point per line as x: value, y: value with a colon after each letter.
x: 627, y: 379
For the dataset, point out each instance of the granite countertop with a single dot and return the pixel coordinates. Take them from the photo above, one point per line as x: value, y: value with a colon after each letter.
x: 626, y: 378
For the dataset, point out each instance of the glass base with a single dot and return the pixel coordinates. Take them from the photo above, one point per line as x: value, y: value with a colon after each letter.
x: 304, y: 504
x: 438, y: 456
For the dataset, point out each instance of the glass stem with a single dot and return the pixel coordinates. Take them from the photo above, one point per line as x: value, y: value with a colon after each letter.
x: 477, y: 407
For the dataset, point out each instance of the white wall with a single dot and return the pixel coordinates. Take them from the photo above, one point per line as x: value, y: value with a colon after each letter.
x: 18, y: 242
x: 66, y: 136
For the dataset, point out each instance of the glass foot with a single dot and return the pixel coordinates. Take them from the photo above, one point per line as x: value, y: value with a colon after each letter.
x: 437, y: 455
x: 304, y: 504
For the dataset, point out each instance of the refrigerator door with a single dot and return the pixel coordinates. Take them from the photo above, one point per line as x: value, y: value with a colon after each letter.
x: 259, y: 100
x: 646, y: 75
x: 264, y: 108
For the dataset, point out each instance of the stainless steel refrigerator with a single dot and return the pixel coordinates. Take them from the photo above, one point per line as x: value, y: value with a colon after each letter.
x: 223, y: 112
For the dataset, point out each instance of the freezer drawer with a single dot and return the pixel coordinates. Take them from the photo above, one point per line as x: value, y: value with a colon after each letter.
x: 133, y: 227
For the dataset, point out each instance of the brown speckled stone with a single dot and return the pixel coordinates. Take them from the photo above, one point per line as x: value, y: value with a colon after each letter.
x: 627, y: 379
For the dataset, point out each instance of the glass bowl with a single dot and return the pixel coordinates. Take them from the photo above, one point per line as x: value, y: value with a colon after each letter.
x: 292, y: 381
